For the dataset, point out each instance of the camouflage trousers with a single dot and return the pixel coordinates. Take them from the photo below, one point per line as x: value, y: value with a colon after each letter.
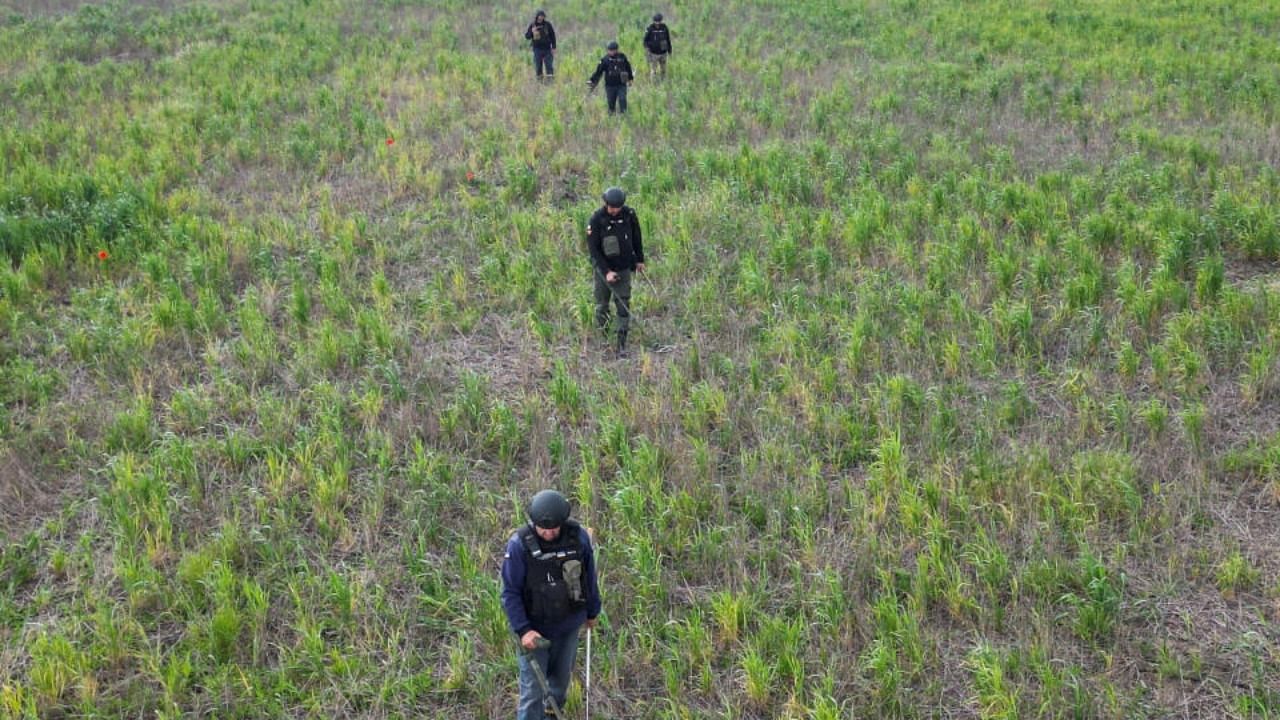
x: 658, y: 63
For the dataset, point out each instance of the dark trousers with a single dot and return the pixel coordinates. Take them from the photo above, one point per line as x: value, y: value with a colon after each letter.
x: 617, y: 95
x: 543, y: 58
x: 620, y: 292
x: 557, y: 662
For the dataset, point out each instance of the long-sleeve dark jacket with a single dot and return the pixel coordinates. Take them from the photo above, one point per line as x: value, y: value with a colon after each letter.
x: 654, y: 37
x: 514, y: 569
x: 547, y: 36
x: 625, y: 226
x: 616, y: 70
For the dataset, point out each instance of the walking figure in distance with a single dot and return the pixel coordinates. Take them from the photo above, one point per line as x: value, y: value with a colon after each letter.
x: 542, y: 37
x: 617, y: 250
x: 657, y: 46
x: 616, y: 71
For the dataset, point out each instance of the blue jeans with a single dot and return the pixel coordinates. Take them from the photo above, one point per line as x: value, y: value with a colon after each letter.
x: 617, y: 95
x: 557, y: 662
x: 543, y: 58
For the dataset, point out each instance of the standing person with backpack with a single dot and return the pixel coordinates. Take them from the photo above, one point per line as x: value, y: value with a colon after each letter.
x: 542, y: 38
x: 549, y: 591
x: 657, y: 45
x: 616, y: 70
x: 616, y: 249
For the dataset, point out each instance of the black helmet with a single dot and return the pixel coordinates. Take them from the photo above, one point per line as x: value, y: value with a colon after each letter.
x: 540, y: 13
x: 548, y: 509
x: 615, y: 197
x: 657, y: 17
x: 613, y: 45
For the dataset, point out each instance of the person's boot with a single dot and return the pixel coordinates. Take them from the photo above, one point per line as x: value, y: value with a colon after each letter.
x: 622, y: 344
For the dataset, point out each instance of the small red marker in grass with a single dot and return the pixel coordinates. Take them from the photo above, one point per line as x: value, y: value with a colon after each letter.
x: 471, y: 177
x: 391, y: 141
x: 102, y: 255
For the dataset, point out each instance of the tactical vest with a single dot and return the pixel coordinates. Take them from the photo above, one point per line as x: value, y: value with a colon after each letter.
x: 615, y: 69
x: 553, y: 582
x: 616, y: 241
x: 661, y: 40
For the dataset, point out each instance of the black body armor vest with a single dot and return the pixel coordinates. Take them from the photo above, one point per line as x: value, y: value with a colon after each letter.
x: 553, y: 582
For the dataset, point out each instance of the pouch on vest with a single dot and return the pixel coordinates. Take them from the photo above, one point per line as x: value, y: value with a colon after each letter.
x: 610, y: 246
x: 664, y: 45
x: 572, y: 571
x: 537, y: 33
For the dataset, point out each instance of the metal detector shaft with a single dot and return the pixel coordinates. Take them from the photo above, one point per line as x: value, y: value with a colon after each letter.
x: 540, y: 644
x: 597, y: 551
x: 588, y: 702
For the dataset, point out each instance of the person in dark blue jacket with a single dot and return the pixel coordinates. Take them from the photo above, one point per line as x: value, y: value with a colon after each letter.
x: 549, y: 590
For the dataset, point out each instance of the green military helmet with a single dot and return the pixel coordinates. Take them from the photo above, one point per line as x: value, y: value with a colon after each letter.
x: 613, y: 45
x: 548, y: 509
x: 615, y: 197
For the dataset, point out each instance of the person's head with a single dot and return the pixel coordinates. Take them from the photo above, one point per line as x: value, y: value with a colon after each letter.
x: 540, y: 16
x: 614, y: 199
x: 657, y: 17
x: 612, y: 47
x: 548, y: 511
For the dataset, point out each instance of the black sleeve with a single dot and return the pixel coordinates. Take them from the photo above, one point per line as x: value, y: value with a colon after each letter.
x: 649, y: 38
x: 595, y: 76
x: 528, y: 33
x: 551, y: 33
x: 593, y: 246
x: 637, y: 245
x: 630, y: 75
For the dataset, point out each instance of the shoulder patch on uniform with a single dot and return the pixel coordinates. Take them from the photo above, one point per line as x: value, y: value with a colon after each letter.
x: 588, y: 228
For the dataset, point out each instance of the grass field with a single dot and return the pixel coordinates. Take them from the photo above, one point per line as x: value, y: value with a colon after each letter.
x: 957, y: 392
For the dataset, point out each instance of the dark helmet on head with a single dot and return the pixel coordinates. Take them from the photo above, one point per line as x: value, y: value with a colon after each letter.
x: 548, y: 509
x: 615, y: 197
x: 540, y: 14
x: 657, y: 17
x: 613, y: 45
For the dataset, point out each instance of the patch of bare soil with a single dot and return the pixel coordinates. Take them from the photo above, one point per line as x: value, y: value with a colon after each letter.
x: 501, y: 350
x: 27, y: 495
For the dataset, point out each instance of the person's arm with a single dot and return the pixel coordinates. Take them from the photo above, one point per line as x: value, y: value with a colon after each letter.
x: 551, y: 33
x: 528, y: 33
x: 593, y: 584
x: 513, y: 572
x: 594, y: 247
x: 631, y: 76
x: 648, y: 39
x: 637, y: 244
x: 595, y: 76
